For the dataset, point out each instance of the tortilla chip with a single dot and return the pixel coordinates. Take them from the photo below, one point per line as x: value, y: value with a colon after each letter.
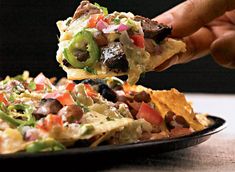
x: 170, y: 47
x: 170, y: 100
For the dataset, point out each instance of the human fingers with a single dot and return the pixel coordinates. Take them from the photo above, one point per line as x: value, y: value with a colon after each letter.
x: 191, y: 15
x: 223, y: 50
x: 197, y: 45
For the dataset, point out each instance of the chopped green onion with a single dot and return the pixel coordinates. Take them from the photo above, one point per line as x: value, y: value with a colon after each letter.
x: 116, y: 21
x: 32, y: 85
x: 90, y: 70
x: 12, y: 97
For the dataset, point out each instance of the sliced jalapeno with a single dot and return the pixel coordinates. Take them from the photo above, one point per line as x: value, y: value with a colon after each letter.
x: 5, y: 117
x: 82, y: 42
x: 17, y: 122
x: 45, y: 145
x: 27, y: 113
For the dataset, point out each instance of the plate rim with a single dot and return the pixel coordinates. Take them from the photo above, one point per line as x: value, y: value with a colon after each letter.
x: 219, y: 125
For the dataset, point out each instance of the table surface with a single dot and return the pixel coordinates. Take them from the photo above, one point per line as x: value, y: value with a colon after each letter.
x: 216, y: 154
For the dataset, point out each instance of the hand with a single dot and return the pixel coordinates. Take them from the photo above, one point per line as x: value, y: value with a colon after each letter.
x: 206, y: 26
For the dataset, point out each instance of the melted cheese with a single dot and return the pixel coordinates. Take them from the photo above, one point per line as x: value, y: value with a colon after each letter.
x: 170, y: 47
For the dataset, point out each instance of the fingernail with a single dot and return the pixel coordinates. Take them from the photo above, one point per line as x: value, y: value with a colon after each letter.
x: 165, y: 19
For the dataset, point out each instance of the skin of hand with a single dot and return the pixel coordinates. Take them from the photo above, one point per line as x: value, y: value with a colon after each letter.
x: 206, y: 26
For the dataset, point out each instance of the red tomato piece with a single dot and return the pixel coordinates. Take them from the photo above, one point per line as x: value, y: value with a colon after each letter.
x: 3, y: 99
x: 149, y: 114
x: 70, y: 86
x: 90, y: 91
x: 39, y: 87
x: 49, y: 122
x: 107, y: 19
x: 66, y: 99
x: 94, y: 19
x: 138, y: 40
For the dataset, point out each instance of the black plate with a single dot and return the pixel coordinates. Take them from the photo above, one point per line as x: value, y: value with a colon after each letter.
x: 125, y: 150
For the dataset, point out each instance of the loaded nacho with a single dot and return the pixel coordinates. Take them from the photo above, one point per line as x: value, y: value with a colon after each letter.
x: 39, y: 114
x: 97, y: 44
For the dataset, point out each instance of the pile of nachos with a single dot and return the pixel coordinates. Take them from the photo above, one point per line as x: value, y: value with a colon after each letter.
x: 41, y: 114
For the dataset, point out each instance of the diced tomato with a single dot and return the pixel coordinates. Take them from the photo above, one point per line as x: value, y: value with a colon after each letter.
x: 108, y: 19
x: 70, y: 86
x: 49, y: 122
x: 39, y: 87
x: 94, y: 19
x: 149, y: 114
x: 90, y: 91
x: 66, y: 99
x: 138, y: 40
x: 3, y: 99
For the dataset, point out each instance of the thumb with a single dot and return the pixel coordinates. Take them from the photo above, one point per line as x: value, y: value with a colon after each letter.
x: 197, y: 44
x: 223, y: 50
x: 189, y: 16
